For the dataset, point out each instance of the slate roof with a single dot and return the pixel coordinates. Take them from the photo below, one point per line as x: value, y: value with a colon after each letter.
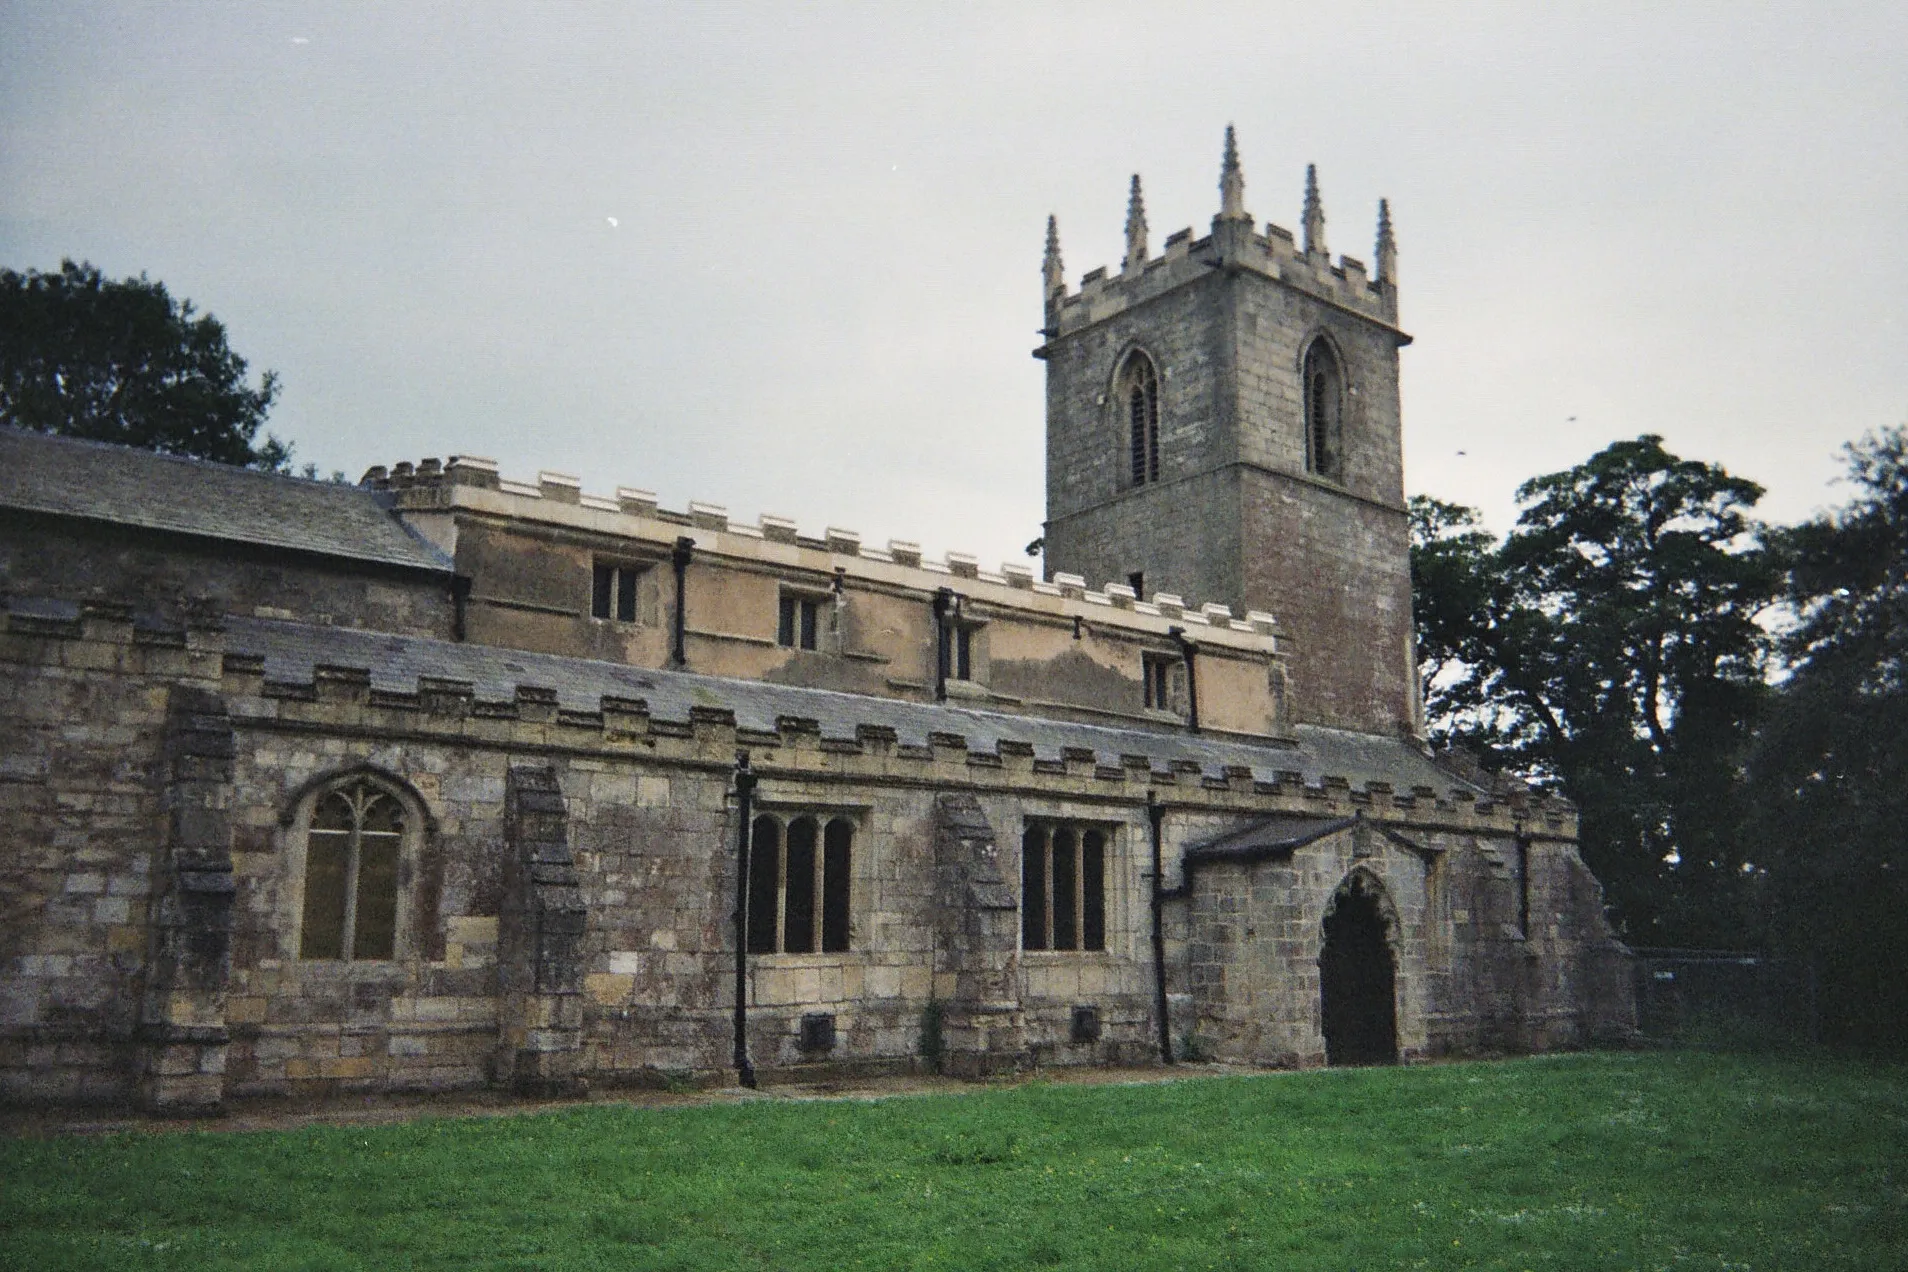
x: 117, y: 484
x: 1277, y: 835
x: 292, y: 650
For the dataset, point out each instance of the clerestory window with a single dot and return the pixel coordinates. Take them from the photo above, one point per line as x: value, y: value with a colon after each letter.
x: 1158, y: 670
x: 1136, y: 394
x: 957, y: 650
x: 613, y: 591
x: 1063, y: 887
x: 798, y: 622
x: 354, y: 843
x: 1324, y: 385
x: 798, y: 883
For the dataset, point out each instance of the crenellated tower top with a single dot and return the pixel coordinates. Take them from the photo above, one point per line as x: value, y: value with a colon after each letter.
x: 1223, y: 420
x: 1299, y: 261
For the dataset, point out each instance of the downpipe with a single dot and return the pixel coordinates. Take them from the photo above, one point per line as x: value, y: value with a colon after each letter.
x: 744, y: 802
x: 1189, y: 652
x: 679, y: 558
x: 1156, y: 814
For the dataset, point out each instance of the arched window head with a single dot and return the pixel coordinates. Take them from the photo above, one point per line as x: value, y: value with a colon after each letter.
x: 798, y: 883
x: 1136, y: 395
x: 353, y: 845
x: 1324, y: 385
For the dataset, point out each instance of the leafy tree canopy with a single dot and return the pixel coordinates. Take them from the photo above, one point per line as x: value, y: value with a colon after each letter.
x: 122, y: 361
x: 1612, y: 646
x: 1828, y: 780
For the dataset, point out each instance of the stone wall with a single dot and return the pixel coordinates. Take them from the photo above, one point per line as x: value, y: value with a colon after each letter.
x: 119, y: 785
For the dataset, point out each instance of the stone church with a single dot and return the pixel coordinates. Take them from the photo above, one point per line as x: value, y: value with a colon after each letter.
x: 448, y: 779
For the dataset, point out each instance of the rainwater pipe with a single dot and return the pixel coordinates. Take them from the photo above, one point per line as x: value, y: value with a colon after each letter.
x: 944, y: 601
x: 1189, y: 652
x: 744, y: 802
x: 678, y: 656
x: 460, y: 606
x: 1156, y: 814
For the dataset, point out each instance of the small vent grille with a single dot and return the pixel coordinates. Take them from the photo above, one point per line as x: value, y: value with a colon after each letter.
x: 1086, y: 1024
x: 818, y: 1031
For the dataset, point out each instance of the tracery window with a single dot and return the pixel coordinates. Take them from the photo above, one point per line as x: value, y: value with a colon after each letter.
x: 798, y: 883
x: 353, y: 845
x: 1324, y: 385
x: 1136, y: 392
x: 1062, y: 887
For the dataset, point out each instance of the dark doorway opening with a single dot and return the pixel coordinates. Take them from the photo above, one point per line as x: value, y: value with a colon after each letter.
x: 1356, y: 980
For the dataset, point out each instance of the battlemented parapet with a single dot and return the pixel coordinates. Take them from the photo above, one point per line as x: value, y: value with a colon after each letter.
x: 1233, y: 244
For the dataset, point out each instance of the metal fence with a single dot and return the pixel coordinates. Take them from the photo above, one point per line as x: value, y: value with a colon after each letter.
x: 1725, y: 998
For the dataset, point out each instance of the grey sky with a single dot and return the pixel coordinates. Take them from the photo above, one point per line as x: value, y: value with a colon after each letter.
x: 822, y: 284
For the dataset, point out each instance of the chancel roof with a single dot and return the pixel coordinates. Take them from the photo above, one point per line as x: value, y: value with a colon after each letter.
x: 123, y: 486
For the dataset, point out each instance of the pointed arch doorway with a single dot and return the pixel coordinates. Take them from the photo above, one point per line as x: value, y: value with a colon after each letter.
x: 1357, y: 977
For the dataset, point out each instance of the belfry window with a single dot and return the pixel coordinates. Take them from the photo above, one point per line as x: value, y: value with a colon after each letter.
x: 798, y: 884
x: 1136, y: 393
x: 1324, y: 385
x: 1062, y: 887
x: 353, y: 845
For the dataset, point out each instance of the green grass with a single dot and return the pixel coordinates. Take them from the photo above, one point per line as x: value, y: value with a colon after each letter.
x: 1680, y: 1160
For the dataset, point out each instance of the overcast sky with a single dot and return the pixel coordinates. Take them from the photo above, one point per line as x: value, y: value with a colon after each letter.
x: 786, y: 258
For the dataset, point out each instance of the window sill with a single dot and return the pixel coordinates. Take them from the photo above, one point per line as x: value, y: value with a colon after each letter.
x: 800, y: 961
x: 734, y: 638
x: 384, y: 970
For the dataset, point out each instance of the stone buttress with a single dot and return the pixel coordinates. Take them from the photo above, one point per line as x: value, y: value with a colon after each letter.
x: 539, y: 942
x: 977, y: 936
x: 182, y: 1017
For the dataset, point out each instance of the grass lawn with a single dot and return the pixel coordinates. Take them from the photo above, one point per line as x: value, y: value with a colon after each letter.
x: 1676, y: 1161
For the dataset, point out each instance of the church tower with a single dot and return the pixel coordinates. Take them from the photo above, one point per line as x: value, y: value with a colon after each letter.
x: 1223, y: 423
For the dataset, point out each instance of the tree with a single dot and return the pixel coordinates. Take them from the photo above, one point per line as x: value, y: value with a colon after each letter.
x: 122, y: 361
x: 1829, y: 774
x: 1612, y: 647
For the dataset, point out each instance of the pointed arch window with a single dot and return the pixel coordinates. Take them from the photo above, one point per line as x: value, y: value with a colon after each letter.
x: 1324, y: 384
x: 354, y: 843
x: 1136, y: 394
